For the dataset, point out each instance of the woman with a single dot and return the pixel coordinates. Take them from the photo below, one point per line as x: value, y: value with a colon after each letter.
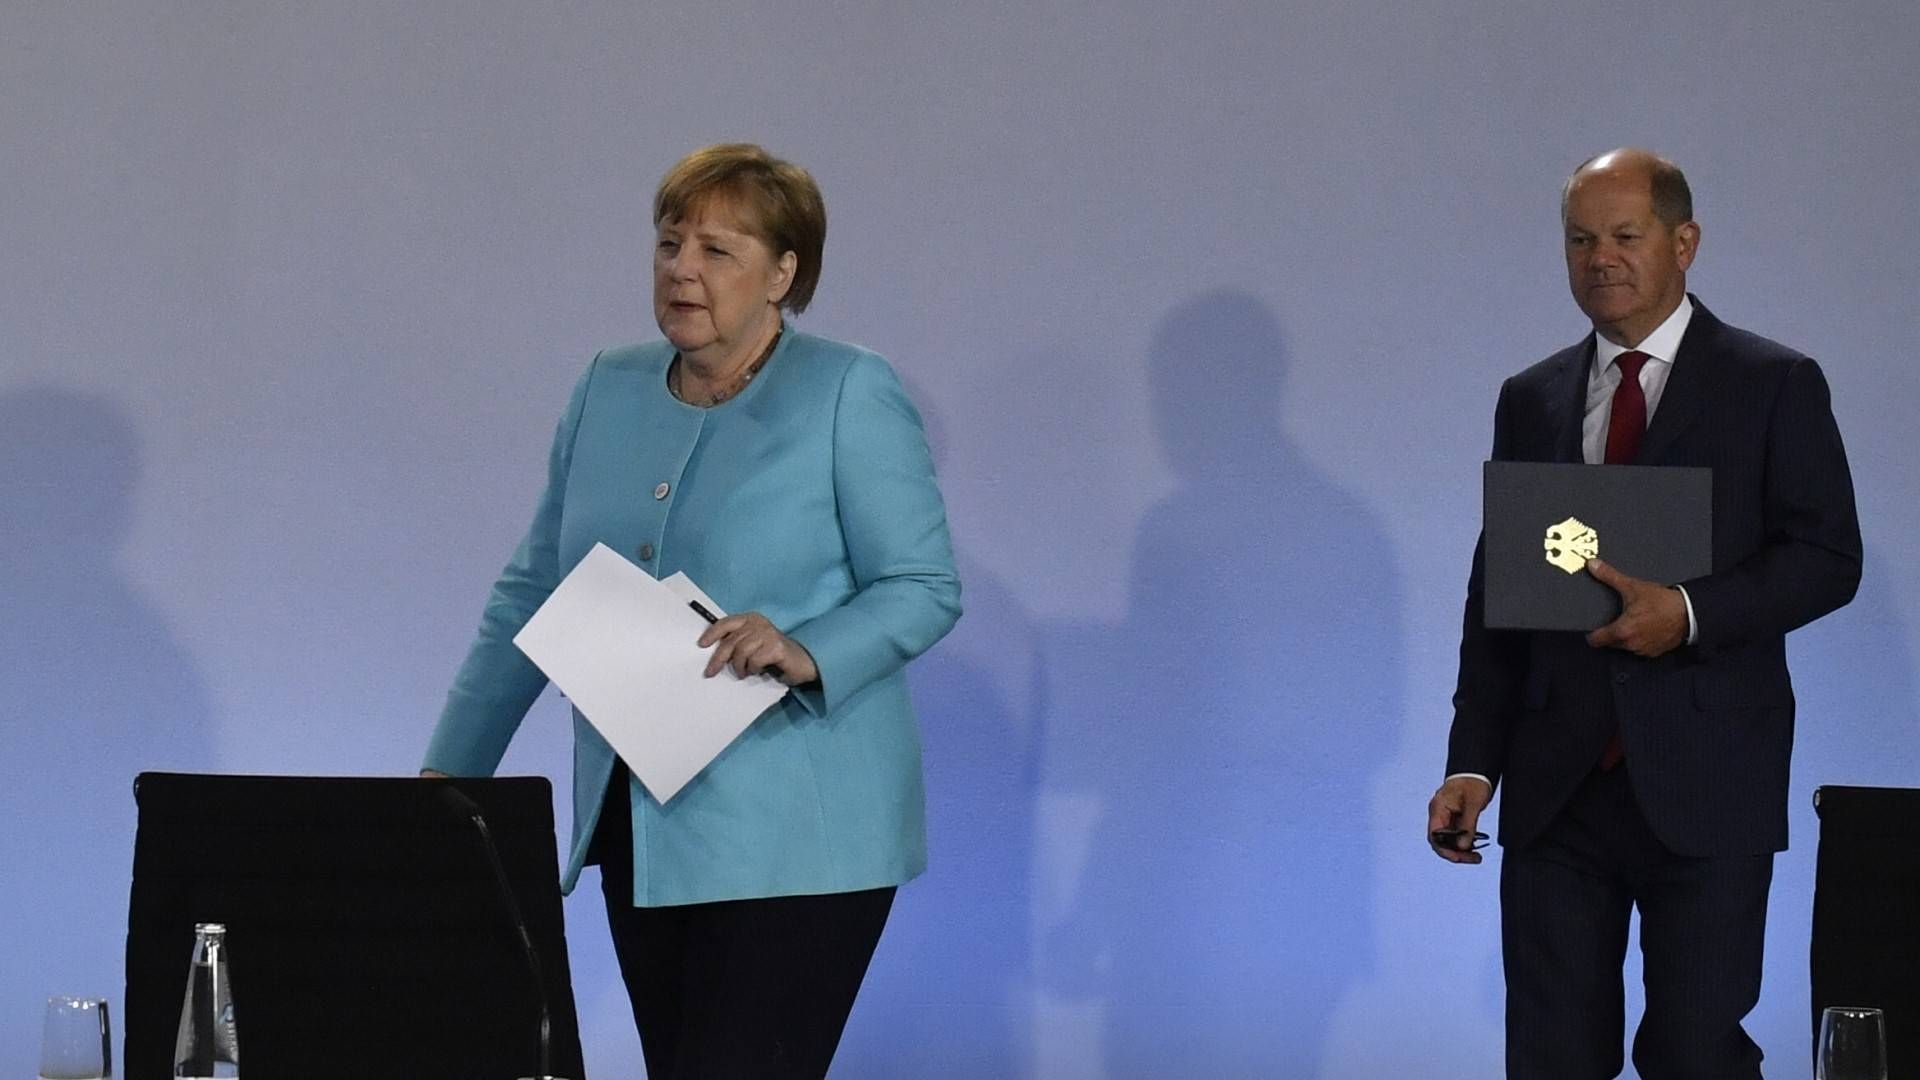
x: 788, y: 476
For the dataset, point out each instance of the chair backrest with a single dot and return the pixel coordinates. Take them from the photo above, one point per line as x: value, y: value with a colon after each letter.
x: 1866, y: 912
x: 366, y: 932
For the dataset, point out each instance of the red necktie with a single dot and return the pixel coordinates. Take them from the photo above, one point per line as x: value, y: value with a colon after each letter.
x: 1625, y: 424
x: 1628, y: 420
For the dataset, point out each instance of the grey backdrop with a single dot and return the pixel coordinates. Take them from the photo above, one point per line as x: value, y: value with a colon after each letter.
x: 1206, y: 306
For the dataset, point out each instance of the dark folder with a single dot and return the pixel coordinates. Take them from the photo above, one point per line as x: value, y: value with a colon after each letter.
x: 1542, y: 521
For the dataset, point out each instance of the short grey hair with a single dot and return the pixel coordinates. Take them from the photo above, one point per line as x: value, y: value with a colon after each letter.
x: 1672, y: 198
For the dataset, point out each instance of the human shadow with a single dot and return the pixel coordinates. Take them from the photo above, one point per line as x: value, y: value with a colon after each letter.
x: 949, y: 992
x: 97, y: 690
x: 1228, y: 730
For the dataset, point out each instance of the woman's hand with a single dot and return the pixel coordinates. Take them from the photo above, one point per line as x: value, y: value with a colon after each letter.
x: 749, y: 644
x: 433, y: 774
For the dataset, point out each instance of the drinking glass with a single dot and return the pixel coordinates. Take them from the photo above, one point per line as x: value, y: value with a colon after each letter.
x: 77, y: 1041
x: 1853, y: 1044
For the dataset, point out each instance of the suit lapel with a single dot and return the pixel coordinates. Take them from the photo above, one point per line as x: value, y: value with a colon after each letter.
x: 1687, y: 386
x: 1568, y: 399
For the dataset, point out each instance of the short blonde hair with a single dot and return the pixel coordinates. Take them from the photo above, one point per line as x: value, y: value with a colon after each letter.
x: 778, y: 200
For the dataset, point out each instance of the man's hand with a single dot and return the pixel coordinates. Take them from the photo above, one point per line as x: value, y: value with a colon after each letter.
x: 1653, y: 617
x: 1457, y: 805
x: 750, y: 644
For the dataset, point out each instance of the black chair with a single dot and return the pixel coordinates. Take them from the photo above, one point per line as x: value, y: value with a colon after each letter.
x: 1866, y: 913
x: 367, y: 934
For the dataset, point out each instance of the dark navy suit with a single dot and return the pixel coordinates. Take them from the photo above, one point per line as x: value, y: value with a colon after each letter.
x: 1686, y: 828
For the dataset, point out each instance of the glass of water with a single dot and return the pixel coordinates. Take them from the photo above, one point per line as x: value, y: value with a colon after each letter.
x: 77, y: 1042
x: 1853, y: 1044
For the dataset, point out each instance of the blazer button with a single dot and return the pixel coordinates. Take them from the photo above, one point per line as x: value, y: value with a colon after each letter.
x: 646, y: 552
x: 1621, y: 678
x: 660, y: 490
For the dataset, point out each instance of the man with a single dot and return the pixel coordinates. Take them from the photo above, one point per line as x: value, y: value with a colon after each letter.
x: 1645, y: 763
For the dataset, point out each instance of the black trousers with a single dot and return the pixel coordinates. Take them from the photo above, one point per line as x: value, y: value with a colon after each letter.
x: 1566, y: 900
x: 738, y: 988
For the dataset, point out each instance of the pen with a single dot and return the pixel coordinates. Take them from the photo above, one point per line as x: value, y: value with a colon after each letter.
x: 701, y: 609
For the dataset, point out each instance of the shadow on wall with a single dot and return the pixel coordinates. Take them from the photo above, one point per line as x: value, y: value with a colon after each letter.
x: 950, y: 990
x: 1224, y: 737
x: 96, y: 690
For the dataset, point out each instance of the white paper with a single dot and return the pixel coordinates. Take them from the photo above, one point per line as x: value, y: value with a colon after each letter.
x: 623, y: 647
x: 684, y: 588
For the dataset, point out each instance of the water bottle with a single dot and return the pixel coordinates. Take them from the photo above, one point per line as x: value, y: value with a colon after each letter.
x: 207, y: 1047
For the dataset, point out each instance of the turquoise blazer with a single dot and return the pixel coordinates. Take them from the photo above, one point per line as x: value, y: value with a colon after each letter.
x: 809, y: 498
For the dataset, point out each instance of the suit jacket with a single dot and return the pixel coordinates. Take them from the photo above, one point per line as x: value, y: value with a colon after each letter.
x: 1707, y: 728
x: 810, y: 498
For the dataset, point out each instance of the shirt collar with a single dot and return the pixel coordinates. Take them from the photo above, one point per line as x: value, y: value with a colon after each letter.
x: 1661, y: 345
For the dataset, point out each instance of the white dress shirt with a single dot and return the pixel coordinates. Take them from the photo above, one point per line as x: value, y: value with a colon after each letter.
x: 1604, y: 377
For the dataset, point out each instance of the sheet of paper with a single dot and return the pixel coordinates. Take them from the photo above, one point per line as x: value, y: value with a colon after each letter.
x: 684, y: 588
x: 622, y: 645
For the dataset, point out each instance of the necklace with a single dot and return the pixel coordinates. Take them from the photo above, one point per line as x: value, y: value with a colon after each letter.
x: 732, y: 387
